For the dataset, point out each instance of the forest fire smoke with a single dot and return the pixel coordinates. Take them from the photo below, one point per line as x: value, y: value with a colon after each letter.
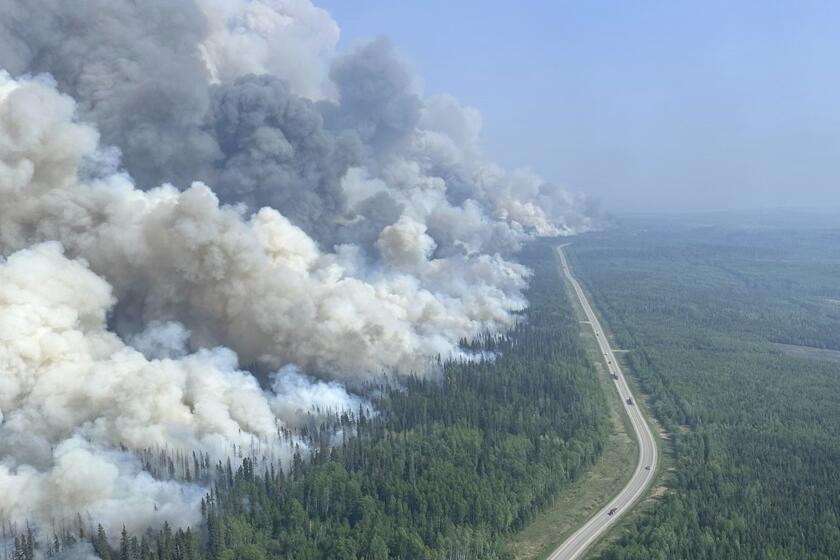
x: 193, y: 189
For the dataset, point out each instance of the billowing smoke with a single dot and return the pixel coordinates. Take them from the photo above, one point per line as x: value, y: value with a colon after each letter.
x: 74, y: 397
x: 234, y: 93
x: 191, y: 190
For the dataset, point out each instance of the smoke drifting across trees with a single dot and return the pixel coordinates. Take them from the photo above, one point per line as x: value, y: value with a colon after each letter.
x: 193, y: 185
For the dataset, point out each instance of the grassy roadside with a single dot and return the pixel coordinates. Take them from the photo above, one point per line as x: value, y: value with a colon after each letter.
x: 584, y: 497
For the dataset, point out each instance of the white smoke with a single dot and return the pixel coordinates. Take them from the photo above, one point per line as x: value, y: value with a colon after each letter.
x: 80, y: 551
x: 162, y: 339
x: 72, y: 393
x: 74, y: 399
x: 298, y: 395
x: 288, y: 38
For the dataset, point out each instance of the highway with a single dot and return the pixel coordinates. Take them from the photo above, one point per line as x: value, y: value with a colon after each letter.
x: 575, y: 546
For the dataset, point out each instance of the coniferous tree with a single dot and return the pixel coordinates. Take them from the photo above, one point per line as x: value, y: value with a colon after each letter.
x: 100, y: 544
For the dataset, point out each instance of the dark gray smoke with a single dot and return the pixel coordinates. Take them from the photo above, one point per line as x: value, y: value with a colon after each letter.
x: 276, y: 152
x: 376, y: 98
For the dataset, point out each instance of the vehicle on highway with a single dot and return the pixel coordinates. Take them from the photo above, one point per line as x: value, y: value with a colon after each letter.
x: 630, y: 401
x: 647, y: 468
x: 615, y: 376
x: 612, y: 511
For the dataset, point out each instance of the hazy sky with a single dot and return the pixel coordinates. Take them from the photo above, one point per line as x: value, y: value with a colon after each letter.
x: 648, y: 105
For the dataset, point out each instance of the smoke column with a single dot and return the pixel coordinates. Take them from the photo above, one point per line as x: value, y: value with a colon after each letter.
x: 193, y: 190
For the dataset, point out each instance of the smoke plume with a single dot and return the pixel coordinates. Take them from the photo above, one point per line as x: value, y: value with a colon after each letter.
x: 196, y: 189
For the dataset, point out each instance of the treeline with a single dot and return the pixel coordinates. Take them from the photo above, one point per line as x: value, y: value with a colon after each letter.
x: 754, y: 431
x: 445, y: 468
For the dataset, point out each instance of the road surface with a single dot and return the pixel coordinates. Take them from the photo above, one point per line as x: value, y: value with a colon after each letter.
x: 600, y: 523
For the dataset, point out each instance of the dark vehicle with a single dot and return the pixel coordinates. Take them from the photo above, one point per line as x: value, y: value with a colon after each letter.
x: 615, y: 376
x: 612, y: 511
x: 629, y: 401
x: 647, y: 468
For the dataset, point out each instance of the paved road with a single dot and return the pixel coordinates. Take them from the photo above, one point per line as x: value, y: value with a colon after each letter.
x: 598, y: 525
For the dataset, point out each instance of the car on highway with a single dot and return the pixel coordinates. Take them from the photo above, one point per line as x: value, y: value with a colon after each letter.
x: 612, y: 511
x: 630, y: 401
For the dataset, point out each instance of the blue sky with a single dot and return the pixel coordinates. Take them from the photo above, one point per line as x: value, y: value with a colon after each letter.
x: 673, y: 106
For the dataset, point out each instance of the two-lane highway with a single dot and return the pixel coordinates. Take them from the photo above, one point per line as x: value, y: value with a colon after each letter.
x: 598, y: 525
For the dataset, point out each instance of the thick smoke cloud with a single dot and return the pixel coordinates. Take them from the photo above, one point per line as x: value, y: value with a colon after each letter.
x: 72, y: 394
x: 276, y: 152
x: 292, y: 39
x: 142, y: 70
x: 192, y: 188
x: 259, y: 284
x: 375, y: 97
x: 227, y: 93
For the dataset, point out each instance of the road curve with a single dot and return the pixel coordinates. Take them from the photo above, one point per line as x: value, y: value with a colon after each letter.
x: 600, y: 523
